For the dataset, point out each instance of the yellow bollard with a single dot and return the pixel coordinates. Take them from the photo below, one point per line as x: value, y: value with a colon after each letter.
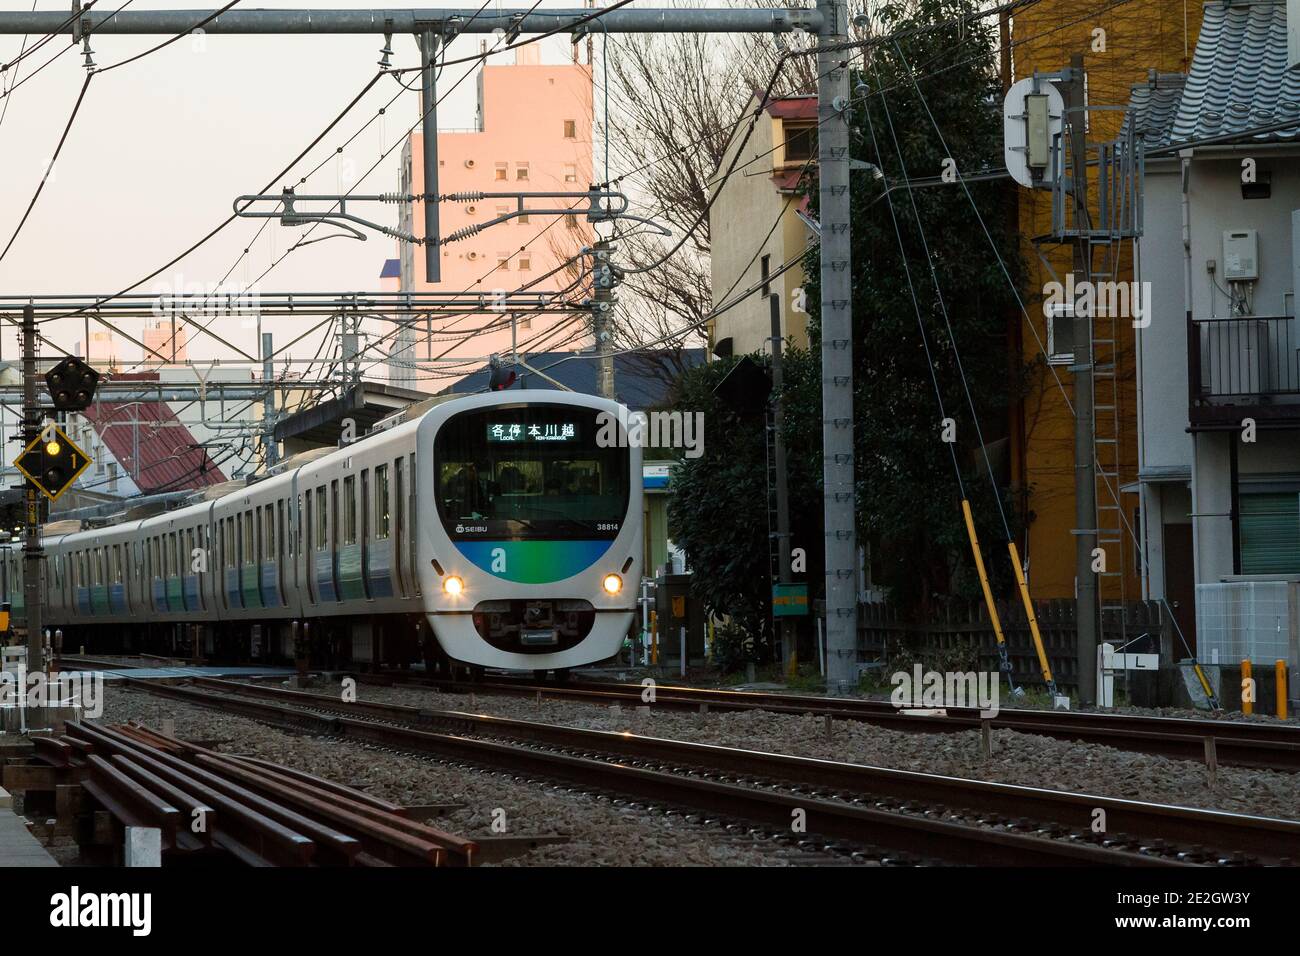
x: 1281, y: 689
x: 1247, y: 690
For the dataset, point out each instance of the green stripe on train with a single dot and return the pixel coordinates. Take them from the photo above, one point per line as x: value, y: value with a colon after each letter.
x: 250, y: 586
x: 351, y: 587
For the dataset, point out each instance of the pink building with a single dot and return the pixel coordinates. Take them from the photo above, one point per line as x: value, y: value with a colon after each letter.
x: 533, y: 133
x: 166, y: 338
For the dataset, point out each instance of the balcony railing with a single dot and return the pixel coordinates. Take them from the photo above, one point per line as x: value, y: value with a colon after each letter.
x: 1243, y: 361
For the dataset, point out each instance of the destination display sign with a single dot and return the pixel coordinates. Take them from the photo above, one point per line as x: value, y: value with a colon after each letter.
x: 523, y: 433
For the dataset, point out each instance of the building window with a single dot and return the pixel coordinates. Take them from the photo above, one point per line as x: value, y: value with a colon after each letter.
x: 112, y: 478
x: 503, y: 210
x: 1270, y: 532
x: 571, y: 221
x: 800, y: 143
x: 525, y: 264
x: 523, y: 219
x: 521, y: 172
x: 765, y: 270
x: 1060, y: 333
x: 502, y: 171
x: 503, y: 260
x: 526, y: 322
x: 570, y: 129
x: 570, y: 173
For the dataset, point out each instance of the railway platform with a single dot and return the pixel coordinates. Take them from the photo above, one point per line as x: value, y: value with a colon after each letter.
x: 17, y: 845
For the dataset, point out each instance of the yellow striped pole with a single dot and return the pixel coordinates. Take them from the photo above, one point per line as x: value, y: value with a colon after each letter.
x: 1280, y: 668
x: 1033, y: 619
x: 1248, y: 691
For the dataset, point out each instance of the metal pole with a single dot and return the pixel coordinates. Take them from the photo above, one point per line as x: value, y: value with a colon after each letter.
x: 837, y: 352
x: 1085, y: 487
x: 786, y: 627
x: 268, y: 404
x: 32, y: 554
x: 429, y: 110
x: 602, y: 310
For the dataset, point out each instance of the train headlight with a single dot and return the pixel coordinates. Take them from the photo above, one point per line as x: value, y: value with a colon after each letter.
x: 612, y: 584
x: 453, y: 585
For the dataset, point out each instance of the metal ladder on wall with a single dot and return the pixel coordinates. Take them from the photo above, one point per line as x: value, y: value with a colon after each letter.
x: 1108, y: 436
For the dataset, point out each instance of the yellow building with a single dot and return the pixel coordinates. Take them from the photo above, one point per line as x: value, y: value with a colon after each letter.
x: 759, y: 229
x: 1120, y: 44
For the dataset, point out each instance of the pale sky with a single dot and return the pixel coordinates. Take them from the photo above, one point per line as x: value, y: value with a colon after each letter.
x: 162, y: 147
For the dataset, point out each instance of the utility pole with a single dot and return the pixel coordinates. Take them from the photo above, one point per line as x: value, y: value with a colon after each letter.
x: 429, y: 111
x: 837, y: 351
x: 33, y: 557
x: 789, y: 637
x: 602, y: 311
x: 268, y: 404
x: 1085, y: 487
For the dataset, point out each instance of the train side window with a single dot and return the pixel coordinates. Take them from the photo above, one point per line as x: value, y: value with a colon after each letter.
x: 320, y: 518
x: 248, y: 538
x: 381, y: 502
x: 365, y: 504
x: 399, y: 494
x: 350, y: 510
x: 269, y: 520
x: 155, y: 550
x: 258, y: 532
x: 334, y: 512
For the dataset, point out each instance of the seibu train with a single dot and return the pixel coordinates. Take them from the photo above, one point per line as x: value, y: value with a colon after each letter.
x: 500, y: 530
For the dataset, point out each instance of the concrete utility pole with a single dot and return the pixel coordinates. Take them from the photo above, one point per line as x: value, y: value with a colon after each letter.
x: 789, y: 636
x: 1085, y: 480
x: 33, y: 557
x: 837, y: 351
x: 602, y: 313
x: 429, y: 111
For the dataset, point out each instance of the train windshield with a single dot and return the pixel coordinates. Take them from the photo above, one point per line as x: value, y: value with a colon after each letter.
x: 529, y: 471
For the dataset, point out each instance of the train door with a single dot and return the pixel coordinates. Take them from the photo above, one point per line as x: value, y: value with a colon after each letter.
x: 335, y: 539
x: 365, y: 530
x: 281, y: 553
x: 411, y: 535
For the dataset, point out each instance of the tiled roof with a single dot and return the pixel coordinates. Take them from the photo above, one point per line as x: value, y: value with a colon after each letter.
x: 1238, y: 80
x: 169, y: 457
x: 1152, y: 108
x: 794, y: 107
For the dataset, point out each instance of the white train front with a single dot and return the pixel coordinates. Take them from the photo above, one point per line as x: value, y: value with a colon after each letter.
x: 508, y: 525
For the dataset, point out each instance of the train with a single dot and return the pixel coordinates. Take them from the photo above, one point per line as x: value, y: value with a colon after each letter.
x: 499, y: 530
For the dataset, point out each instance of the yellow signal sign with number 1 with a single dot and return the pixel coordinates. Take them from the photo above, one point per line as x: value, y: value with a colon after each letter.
x: 52, y: 462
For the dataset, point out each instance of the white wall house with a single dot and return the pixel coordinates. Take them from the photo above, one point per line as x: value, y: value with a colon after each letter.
x: 1219, y: 365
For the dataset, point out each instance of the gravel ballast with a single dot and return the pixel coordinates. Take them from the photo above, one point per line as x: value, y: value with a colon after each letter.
x: 1025, y: 759
x: 600, y: 833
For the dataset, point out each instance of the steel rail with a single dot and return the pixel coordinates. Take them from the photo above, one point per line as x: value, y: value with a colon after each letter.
x: 1238, y: 743
x: 462, y: 734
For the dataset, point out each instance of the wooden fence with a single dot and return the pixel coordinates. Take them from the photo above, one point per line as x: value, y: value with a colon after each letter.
x: 962, y: 625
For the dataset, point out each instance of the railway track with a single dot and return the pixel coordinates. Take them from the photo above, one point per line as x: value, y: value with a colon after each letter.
x: 1251, y: 744
x: 934, y: 817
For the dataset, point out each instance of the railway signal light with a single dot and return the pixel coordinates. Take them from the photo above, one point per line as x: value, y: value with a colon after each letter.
x: 52, y: 462
x: 72, y: 384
